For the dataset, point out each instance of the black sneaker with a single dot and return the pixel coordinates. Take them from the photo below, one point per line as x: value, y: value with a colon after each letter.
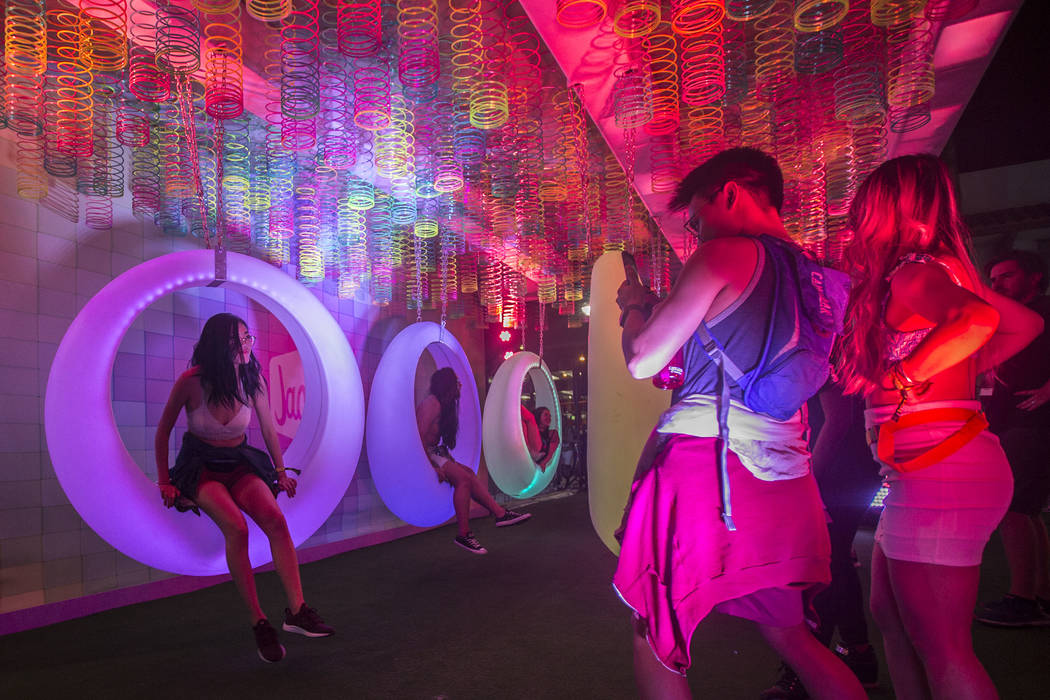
x: 787, y: 687
x: 306, y: 622
x: 863, y: 663
x: 1013, y: 611
x: 512, y: 518
x: 470, y: 543
x: 270, y: 650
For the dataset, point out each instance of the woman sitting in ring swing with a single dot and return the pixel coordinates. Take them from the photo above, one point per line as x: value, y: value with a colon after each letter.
x: 218, y: 472
x: 437, y: 417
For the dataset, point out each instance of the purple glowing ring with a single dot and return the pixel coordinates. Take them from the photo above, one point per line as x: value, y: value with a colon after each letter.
x: 506, y: 454
x: 102, y: 481
x: 402, y: 473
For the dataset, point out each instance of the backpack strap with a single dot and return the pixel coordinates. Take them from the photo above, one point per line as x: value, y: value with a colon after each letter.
x: 727, y: 372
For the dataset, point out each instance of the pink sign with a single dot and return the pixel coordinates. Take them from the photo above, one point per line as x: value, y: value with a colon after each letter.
x: 287, y: 392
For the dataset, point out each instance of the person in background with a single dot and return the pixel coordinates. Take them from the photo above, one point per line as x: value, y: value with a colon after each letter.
x: 1019, y: 413
x: 922, y: 327
x: 217, y: 471
x: 549, y: 439
x: 678, y: 560
x: 848, y: 478
x: 437, y: 418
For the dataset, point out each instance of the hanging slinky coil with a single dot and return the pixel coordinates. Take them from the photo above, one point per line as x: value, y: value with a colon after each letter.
x: 694, y: 17
x: 178, y: 39
x: 300, y: 64
x: 268, y: 10
x: 819, y: 15
x: 636, y: 18
x: 580, y: 14
x: 359, y: 27
x: 223, y: 67
x: 703, y: 69
x: 747, y: 10
x: 662, y: 51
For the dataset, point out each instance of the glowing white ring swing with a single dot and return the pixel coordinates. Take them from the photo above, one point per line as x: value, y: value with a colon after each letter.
x: 401, y: 470
x: 506, y: 453
x: 102, y: 481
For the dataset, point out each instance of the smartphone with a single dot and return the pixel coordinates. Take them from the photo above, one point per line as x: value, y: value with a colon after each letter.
x: 630, y: 268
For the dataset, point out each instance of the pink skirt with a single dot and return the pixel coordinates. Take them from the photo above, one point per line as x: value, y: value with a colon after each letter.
x: 945, y: 513
x: 678, y: 561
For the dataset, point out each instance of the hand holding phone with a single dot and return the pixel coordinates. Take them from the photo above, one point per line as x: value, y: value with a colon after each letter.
x: 630, y: 268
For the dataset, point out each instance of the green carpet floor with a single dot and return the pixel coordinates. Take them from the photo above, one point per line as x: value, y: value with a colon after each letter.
x: 419, y: 618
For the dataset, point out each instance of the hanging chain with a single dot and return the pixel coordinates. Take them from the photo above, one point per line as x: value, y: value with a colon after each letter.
x: 524, y: 321
x: 543, y: 322
x: 443, y: 235
x: 417, y: 249
x: 628, y: 158
x: 188, y: 125
x: 220, y: 220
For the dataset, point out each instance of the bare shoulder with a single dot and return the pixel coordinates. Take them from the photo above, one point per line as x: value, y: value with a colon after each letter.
x: 724, y: 258
x: 917, y: 277
x: 429, y: 404
x: 189, y: 382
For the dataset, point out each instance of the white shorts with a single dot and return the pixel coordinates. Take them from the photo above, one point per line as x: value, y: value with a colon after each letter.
x: 438, y: 455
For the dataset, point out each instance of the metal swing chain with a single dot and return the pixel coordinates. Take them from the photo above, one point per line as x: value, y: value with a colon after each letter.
x: 186, y: 114
x: 417, y: 248
x: 543, y: 322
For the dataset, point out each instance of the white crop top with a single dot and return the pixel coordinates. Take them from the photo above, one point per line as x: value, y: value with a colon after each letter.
x: 202, y: 423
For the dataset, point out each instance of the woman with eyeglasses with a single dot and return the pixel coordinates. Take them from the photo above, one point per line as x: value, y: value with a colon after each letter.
x: 218, y: 472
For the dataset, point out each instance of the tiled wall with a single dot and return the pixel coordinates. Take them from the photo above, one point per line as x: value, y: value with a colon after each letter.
x: 49, y: 268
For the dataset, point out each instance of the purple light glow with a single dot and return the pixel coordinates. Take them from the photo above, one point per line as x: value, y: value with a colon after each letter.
x: 101, y: 479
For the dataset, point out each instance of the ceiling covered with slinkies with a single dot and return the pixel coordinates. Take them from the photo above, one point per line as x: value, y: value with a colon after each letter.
x: 468, y: 154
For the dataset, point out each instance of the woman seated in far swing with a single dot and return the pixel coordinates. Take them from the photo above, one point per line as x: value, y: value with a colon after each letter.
x: 437, y: 417
x: 541, y: 439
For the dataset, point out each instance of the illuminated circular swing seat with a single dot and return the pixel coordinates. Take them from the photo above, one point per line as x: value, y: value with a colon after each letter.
x: 506, y: 454
x: 401, y: 470
x: 102, y: 481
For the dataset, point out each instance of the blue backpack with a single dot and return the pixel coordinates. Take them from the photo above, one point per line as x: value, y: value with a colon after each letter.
x: 807, y: 310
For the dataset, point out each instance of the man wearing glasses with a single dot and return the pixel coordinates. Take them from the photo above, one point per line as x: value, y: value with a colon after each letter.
x: 679, y: 560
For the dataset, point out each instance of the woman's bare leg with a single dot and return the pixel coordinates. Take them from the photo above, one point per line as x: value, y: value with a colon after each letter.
x: 823, y: 674
x: 255, y: 498
x: 905, y: 666
x: 941, y: 634
x: 461, y: 476
x: 655, y: 681
x: 217, y: 502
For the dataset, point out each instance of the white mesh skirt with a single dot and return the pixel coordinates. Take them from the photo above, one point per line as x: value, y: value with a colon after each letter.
x: 945, y: 513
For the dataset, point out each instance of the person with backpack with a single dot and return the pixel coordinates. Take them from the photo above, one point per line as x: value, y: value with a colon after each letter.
x: 922, y: 328
x: 724, y: 513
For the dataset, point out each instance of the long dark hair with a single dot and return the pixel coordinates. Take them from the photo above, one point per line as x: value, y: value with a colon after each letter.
x: 538, y: 412
x: 907, y: 205
x: 213, y: 354
x: 444, y: 385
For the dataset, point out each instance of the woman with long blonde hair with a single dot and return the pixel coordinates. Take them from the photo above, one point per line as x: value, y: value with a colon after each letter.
x: 923, y: 327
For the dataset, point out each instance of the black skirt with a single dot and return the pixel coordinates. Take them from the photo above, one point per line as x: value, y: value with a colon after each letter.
x: 195, y: 455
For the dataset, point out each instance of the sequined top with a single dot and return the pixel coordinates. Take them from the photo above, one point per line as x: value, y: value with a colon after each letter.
x: 900, y: 344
